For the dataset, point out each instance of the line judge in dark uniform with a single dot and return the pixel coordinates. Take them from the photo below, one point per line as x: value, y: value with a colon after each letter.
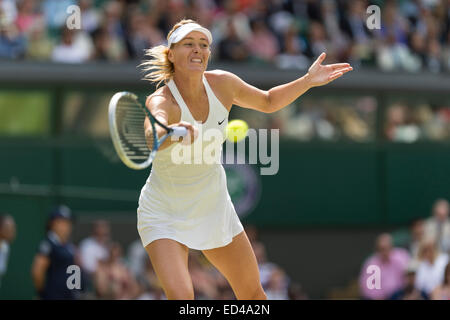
x: 55, y: 254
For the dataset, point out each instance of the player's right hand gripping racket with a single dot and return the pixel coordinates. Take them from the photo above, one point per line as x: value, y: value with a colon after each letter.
x: 126, y: 126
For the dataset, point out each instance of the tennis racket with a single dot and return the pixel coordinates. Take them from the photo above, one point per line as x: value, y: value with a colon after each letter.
x: 126, y: 126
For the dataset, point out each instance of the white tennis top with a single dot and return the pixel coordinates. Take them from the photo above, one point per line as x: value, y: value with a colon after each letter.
x: 185, y: 197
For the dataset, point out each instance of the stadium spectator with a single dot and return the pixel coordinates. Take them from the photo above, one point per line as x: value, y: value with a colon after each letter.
x: 263, y: 45
x: 201, y: 11
x: 149, y: 285
x: 137, y: 38
x: 338, y: 41
x: 318, y: 42
x: 393, y: 52
x: 417, y: 45
x: 8, y: 11
x: 74, y: 47
x: 40, y: 46
x: 110, y: 37
x: 154, y: 34
x: 231, y: 47
x: 27, y: 15
x: 430, y: 272
x: 112, y: 22
x: 55, y: 13
x: 292, y: 56
x: 277, y: 285
x: 7, y: 235
x: 12, y: 42
x: 417, y: 231
x: 392, y: 263
x: 104, y: 48
x: 433, y: 60
x: 437, y: 226
x: 430, y: 125
x: 280, y: 19
x: 137, y: 258
x: 265, y: 267
x: 409, y: 291
x: 112, y: 279
x: 90, y: 16
x: 205, y: 285
x: 410, y: 238
x: 55, y: 254
x: 353, y: 24
x: 142, y: 33
x: 95, y: 247
x: 442, y: 291
x: 144, y: 291
x: 400, y: 125
x: 230, y: 13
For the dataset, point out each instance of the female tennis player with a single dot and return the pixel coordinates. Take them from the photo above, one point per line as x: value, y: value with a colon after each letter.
x: 184, y: 206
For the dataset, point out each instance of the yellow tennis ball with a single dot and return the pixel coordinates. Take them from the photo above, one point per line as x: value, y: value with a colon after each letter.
x: 236, y: 130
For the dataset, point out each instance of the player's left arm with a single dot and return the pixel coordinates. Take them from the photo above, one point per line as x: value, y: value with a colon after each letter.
x: 248, y: 96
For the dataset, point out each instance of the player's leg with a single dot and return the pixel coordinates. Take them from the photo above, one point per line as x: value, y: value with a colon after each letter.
x: 237, y: 262
x: 170, y: 262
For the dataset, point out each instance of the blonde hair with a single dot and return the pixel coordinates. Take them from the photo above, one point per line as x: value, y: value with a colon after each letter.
x: 158, y: 68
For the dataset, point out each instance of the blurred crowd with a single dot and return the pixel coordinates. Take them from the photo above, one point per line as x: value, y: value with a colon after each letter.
x: 107, y: 272
x: 407, y: 264
x: 407, y: 122
x: 347, y: 118
x: 414, y: 35
x: 329, y: 119
x: 412, y: 265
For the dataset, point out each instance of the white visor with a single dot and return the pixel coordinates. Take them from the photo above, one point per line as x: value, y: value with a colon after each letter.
x: 185, y: 29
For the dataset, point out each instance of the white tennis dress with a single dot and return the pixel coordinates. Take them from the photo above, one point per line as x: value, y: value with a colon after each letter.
x: 189, y: 202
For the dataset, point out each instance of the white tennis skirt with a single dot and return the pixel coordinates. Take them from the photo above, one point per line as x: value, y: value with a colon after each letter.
x: 195, y: 211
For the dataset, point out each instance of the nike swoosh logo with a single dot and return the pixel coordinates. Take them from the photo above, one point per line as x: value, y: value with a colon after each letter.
x: 220, y: 122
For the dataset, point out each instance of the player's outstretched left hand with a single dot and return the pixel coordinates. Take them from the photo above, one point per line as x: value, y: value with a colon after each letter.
x: 320, y: 75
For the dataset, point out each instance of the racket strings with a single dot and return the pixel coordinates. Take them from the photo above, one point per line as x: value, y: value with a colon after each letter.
x: 130, y: 123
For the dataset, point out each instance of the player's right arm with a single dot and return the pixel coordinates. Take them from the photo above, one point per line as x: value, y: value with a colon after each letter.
x: 38, y: 270
x: 164, y: 110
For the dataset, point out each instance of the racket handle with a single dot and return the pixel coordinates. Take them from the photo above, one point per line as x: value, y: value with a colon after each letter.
x: 179, y: 131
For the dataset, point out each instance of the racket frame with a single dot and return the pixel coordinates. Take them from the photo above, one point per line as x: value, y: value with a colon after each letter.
x: 115, y: 135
